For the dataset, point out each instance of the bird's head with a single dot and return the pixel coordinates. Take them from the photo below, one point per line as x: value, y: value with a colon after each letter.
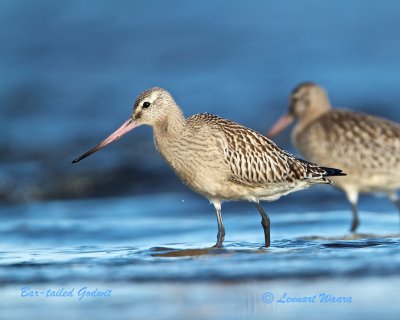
x: 307, y: 101
x: 151, y: 107
x: 305, y: 98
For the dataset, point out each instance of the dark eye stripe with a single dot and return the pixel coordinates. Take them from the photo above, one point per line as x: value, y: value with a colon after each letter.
x: 146, y: 104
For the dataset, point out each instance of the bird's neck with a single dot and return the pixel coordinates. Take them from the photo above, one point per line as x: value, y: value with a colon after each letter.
x: 314, y: 112
x: 170, y: 126
x: 167, y: 132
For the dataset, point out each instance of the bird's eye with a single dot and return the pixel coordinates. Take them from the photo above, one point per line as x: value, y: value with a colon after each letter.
x: 146, y: 104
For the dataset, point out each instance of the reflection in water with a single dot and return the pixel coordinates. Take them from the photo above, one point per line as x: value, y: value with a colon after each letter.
x: 284, y: 259
x: 115, y: 244
x: 171, y: 252
x: 355, y: 236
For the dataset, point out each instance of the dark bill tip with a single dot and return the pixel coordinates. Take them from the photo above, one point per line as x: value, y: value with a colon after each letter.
x: 76, y: 160
x: 87, y: 154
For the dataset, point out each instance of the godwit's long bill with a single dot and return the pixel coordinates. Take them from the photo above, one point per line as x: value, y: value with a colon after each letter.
x: 218, y: 158
x: 366, y: 147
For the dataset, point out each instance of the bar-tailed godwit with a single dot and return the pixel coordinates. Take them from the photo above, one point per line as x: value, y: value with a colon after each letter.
x: 218, y: 158
x: 366, y: 147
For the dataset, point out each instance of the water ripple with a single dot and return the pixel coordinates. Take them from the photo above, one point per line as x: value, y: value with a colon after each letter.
x: 297, y: 258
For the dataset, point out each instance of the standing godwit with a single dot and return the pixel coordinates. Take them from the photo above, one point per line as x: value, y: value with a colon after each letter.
x: 367, y: 148
x: 218, y: 158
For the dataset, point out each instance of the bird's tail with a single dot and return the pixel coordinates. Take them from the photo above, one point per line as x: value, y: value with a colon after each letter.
x: 330, y: 172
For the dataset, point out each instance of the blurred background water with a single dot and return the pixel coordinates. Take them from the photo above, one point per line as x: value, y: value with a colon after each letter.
x: 70, y: 72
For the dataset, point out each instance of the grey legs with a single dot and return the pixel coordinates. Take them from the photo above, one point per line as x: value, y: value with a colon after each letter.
x: 356, y: 221
x: 352, y: 196
x: 266, y: 225
x: 221, y: 229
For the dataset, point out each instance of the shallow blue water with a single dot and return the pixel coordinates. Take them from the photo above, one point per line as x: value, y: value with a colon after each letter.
x: 157, y: 250
x: 70, y: 72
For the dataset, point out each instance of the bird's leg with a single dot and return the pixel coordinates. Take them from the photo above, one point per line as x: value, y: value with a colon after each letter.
x: 356, y: 221
x: 395, y: 199
x: 265, y: 222
x: 352, y: 196
x: 221, y: 229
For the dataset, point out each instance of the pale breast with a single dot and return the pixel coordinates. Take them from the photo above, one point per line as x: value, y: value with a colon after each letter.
x: 196, y: 157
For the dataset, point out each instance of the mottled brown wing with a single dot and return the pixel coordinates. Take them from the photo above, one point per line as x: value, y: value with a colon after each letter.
x: 351, y: 139
x: 256, y: 160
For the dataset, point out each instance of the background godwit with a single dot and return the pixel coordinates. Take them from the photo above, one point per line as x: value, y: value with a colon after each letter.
x: 218, y: 158
x: 367, y: 148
